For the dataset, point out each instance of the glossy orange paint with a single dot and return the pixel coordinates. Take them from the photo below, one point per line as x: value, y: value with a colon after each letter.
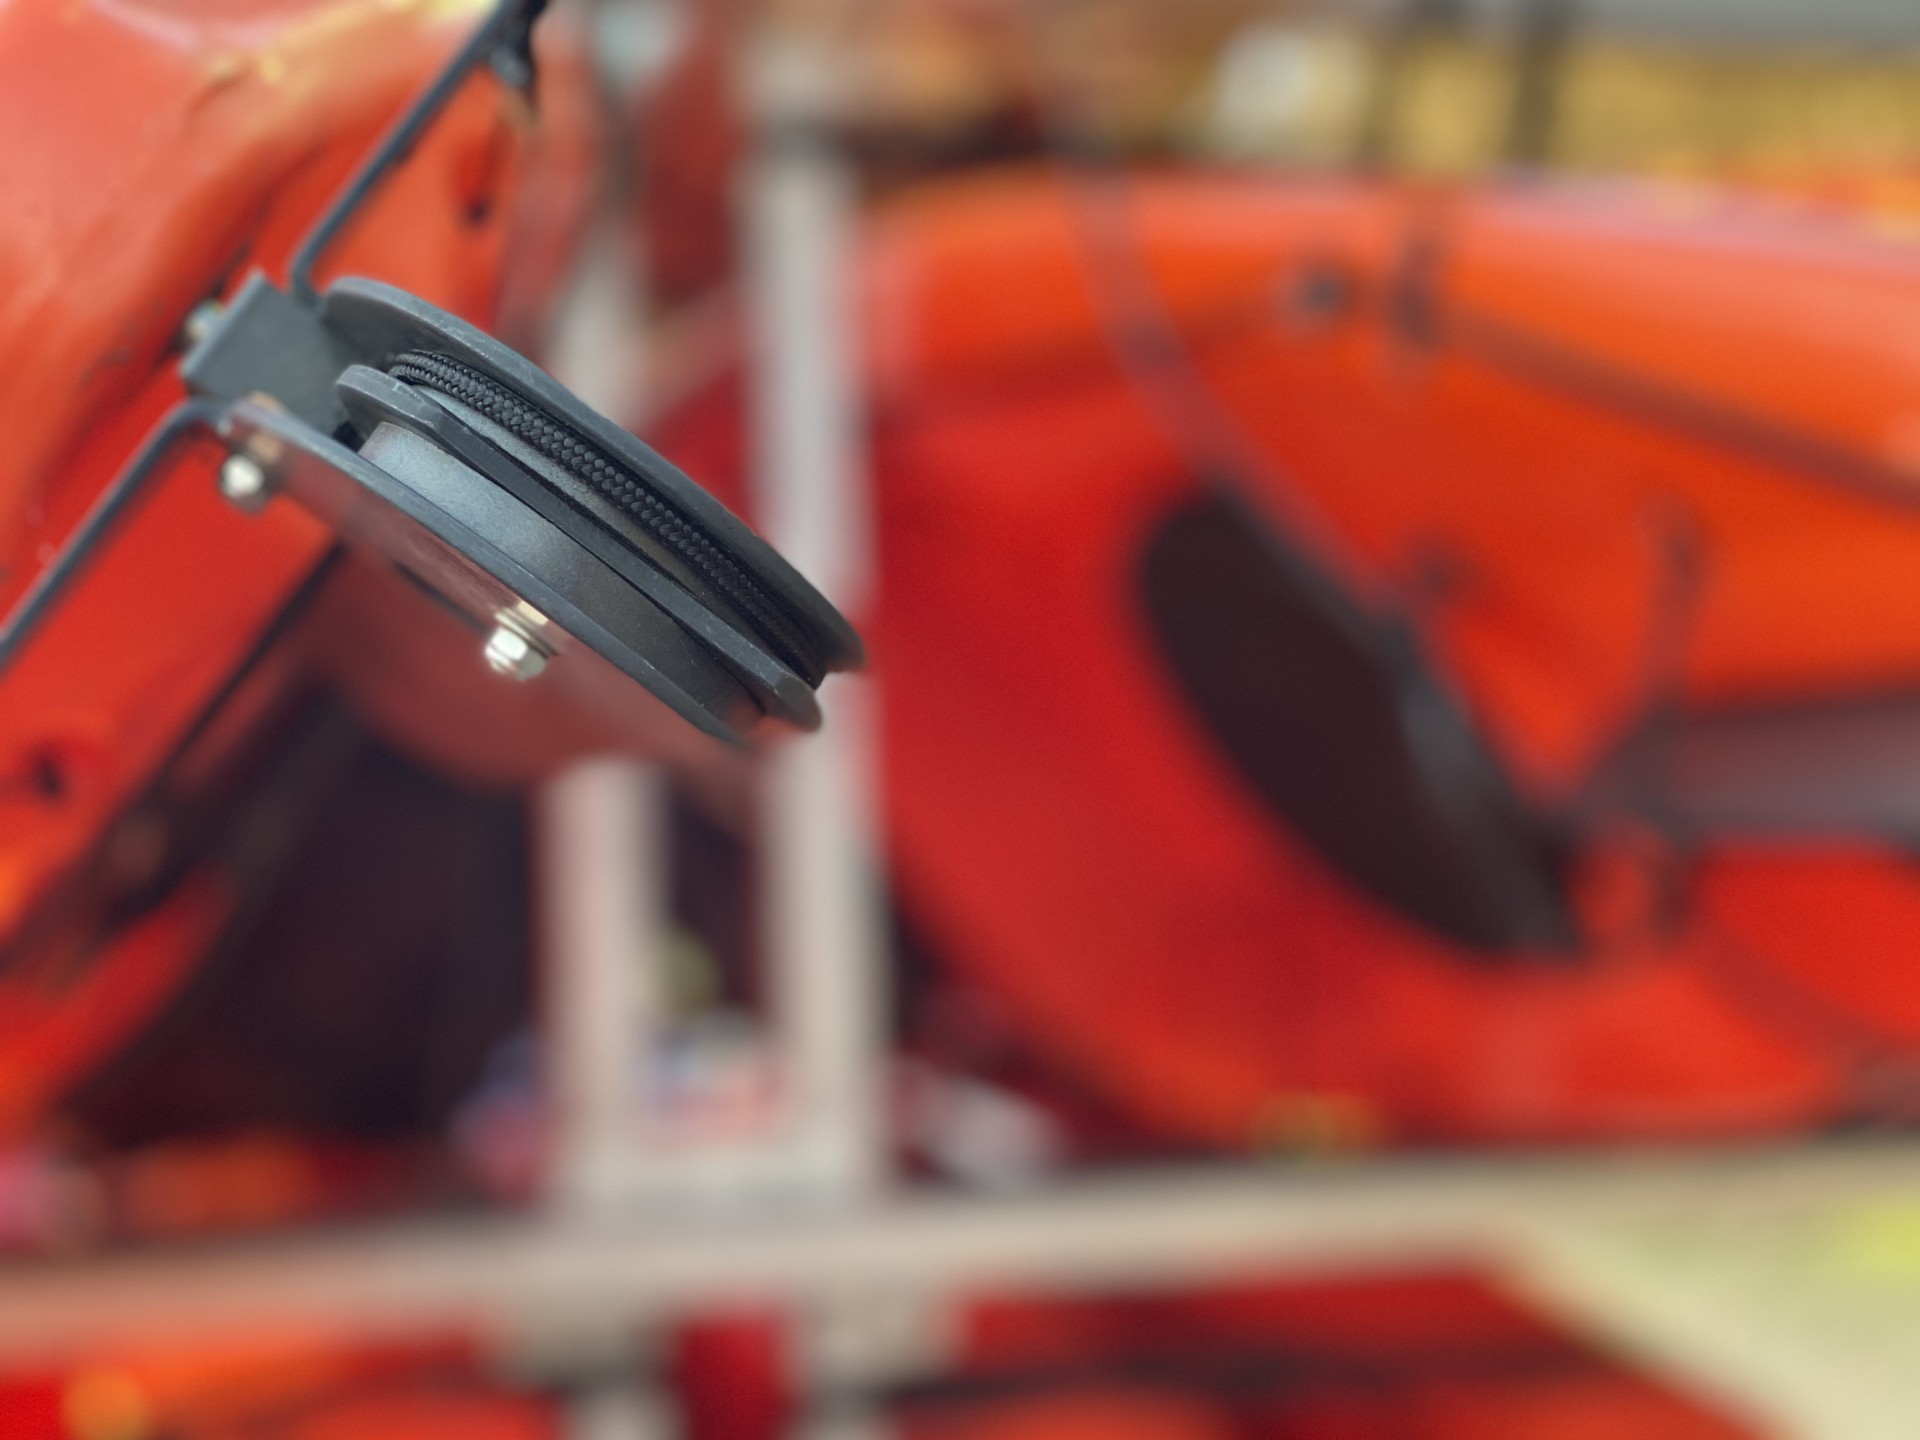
x: 158, y: 153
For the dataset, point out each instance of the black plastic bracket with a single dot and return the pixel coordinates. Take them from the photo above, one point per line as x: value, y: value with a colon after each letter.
x: 268, y: 343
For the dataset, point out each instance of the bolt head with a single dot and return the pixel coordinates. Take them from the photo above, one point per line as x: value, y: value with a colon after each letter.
x: 510, y: 653
x: 243, y: 481
x: 201, y: 321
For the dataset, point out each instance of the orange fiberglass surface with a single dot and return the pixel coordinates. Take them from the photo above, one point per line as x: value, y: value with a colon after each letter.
x: 159, y: 153
x: 1372, y: 665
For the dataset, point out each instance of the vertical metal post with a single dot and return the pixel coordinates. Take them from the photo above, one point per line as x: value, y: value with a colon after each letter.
x: 603, y: 904
x: 845, y: 1424
x: 605, y: 850
x: 824, y: 942
x: 619, y: 1410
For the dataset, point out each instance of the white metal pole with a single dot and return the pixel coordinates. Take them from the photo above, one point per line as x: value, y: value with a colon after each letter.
x: 603, y: 867
x: 619, y: 1410
x: 824, y: 939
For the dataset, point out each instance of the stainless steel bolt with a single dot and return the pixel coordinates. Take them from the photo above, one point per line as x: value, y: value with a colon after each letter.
x: 243, y: 481
x: 510, y: 652
x: 201, y: 321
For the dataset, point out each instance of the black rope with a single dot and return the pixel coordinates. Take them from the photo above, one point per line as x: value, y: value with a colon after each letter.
x: 627, y: 492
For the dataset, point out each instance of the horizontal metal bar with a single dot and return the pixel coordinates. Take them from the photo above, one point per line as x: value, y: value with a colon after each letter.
x: 514, y: 1276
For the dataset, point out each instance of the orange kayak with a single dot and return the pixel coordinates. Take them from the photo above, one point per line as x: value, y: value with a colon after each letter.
x: 1278, y: 577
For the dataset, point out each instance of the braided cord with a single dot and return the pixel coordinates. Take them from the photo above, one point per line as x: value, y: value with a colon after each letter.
x: 626, y: 491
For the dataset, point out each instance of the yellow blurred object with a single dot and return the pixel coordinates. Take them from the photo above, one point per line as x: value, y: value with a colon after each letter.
x: 1769, y: 115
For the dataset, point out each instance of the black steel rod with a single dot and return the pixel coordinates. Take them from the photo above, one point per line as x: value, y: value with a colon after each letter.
x: 507, y: 21
x: 147, y: 464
